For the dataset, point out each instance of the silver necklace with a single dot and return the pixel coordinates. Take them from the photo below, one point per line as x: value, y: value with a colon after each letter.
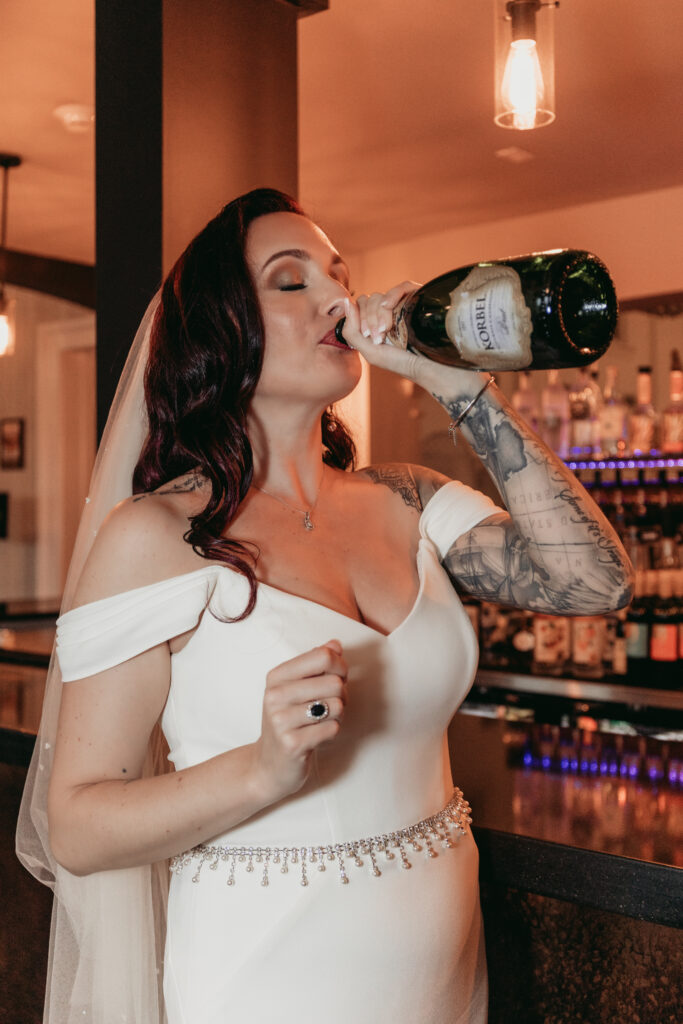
x: 306, y: 513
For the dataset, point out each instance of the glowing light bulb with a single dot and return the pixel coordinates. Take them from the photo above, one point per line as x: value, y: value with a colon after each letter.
x: 6, y: 335
x: 522, y: 87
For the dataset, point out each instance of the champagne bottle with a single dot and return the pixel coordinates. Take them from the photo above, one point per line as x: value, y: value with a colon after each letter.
x: 547, y: 309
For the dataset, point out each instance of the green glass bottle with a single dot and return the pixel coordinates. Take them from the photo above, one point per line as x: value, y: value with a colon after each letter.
x: 541, y: 311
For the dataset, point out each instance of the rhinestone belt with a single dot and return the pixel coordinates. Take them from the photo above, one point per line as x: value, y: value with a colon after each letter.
x: 423, y: 836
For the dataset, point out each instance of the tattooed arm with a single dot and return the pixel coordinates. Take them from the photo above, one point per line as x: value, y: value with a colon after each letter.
x: 553, y: 551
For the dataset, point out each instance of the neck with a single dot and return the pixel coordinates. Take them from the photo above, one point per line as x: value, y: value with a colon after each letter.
x: 288, y: 457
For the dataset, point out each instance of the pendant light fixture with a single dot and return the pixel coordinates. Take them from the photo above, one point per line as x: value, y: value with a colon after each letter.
x: 525, y: 63
x: 7, y: 160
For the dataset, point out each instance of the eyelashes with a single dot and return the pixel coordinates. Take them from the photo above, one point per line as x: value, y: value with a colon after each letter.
x: 298, y: 287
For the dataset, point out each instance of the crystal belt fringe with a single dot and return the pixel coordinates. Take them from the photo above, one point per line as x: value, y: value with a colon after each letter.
x: 421, y: 836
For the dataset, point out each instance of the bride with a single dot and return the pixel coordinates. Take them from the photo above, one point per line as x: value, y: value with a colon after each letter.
x: 291, y: 623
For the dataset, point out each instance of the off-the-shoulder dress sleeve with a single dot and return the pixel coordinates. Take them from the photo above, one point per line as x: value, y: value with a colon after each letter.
x: 452, y: 511
x: 105, y: 633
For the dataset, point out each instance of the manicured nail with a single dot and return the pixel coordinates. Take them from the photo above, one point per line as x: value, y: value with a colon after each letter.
x: 364, y: 329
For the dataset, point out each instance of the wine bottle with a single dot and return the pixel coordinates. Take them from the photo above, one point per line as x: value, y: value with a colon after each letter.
x: 638, y: 629
x: 672, y: 417
x: 664, y: 631
x: 544, y: 310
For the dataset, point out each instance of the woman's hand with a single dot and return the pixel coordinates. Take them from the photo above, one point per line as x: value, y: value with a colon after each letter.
x: 368, y: 329
x: 282, y: 755
x: 370, y: 319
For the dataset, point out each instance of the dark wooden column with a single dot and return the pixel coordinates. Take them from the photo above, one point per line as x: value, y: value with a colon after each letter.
x: 196, y: 102
x: 128, y: 168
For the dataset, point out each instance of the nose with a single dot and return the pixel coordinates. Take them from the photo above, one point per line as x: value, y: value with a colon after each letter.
x: 333, y: 304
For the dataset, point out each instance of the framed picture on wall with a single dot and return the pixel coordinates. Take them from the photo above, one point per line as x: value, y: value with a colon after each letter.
x: 12, y: 443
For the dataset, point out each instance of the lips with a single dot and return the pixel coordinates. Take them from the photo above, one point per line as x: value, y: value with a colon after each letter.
x: 331, y: 339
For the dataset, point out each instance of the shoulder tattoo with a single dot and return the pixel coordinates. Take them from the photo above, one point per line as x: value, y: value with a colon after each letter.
x: 192, y: 481
x: 398, y: 479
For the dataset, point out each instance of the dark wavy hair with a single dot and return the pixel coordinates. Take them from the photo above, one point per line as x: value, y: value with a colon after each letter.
x: 205, y: 359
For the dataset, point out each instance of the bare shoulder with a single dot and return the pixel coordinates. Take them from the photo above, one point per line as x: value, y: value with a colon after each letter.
x: 414, y: 484
x: 141, y: 541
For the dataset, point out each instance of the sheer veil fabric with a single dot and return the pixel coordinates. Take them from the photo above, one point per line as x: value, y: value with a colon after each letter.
x: 107, y: 934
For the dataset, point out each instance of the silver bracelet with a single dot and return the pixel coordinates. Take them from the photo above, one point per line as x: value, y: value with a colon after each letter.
x: 454, y: 424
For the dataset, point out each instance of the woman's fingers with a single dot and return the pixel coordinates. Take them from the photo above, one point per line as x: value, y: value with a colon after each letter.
x: 318, y: 661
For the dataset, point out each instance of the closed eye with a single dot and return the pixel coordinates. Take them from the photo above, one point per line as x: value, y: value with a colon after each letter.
x: 291, y: 287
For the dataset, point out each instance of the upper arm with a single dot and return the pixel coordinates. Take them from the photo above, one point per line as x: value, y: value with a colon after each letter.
x: 105, y: 722
x: 106, y: 719
x: 415, y: 484
x: 137, y: 544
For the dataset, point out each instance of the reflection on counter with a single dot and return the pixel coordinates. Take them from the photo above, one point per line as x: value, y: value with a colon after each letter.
x: 580, y: 787
x: 620, y: 794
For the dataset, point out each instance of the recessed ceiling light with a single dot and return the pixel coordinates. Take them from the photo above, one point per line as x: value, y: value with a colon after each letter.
x: 514, y: 155
x: 75, y: 117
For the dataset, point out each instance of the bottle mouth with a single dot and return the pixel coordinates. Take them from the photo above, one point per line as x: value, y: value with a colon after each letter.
x: 587, y: 306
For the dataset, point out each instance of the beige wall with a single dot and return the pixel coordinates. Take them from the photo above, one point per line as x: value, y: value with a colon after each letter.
x: 229, y: 108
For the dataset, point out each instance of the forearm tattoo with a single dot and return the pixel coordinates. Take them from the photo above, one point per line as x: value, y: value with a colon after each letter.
x: 555, y: 552
x: 397, y: 478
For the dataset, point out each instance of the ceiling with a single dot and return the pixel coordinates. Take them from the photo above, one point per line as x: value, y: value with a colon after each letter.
x: 396, y: 130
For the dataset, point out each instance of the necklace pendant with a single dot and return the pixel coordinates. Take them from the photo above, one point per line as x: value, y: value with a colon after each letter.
x: 308, y: 524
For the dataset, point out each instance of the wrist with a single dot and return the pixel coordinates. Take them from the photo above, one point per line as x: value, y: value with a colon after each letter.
x: 451, y: 383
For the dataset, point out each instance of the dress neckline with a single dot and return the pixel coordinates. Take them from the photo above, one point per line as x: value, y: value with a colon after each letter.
x: 278, y: 591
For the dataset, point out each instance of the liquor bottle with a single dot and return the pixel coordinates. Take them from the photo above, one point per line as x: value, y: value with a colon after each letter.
x: 619, y: 666
x: 642, y: 420
x: 596, y: 403
x: 678, y: 594
x: 588, y: 641
x: 554, y: 425
x: 551, y: 644
x: 580, y: 399
x: 664, y: 631
x: 638, y: 630
x: 534, y: 312
x: 672, y: 417
x: 524, y: 400
x: 612, y: 417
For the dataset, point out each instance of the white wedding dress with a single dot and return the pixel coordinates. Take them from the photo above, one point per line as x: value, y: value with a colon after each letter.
x: 403, y: 946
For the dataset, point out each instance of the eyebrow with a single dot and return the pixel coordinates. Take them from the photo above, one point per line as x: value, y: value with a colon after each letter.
x: 301, y: 254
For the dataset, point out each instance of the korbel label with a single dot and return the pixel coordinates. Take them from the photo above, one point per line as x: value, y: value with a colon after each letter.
x: 488, y: 320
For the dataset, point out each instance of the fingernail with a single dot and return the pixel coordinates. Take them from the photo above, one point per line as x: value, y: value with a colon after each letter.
x: 364, y: 329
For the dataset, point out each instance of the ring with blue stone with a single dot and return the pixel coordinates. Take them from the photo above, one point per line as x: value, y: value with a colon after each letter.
x: 318, y: 710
